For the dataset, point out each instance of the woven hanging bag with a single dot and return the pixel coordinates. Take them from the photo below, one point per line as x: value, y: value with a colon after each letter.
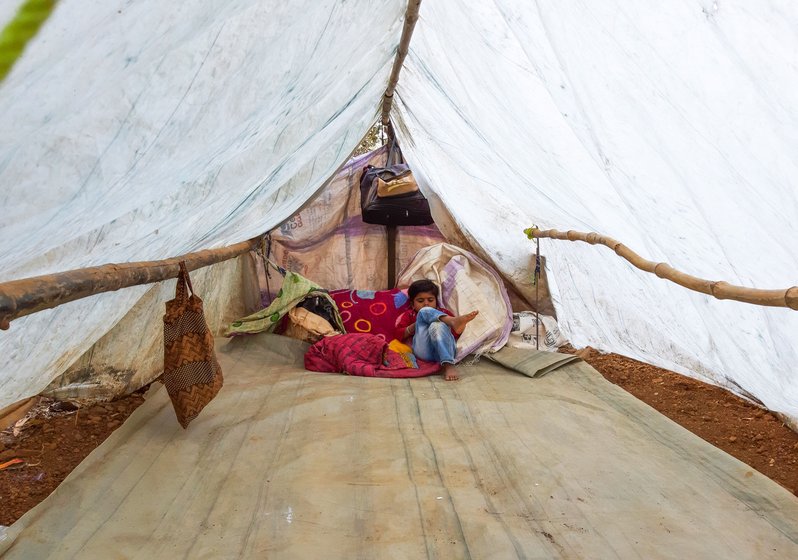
x: 191, y: 372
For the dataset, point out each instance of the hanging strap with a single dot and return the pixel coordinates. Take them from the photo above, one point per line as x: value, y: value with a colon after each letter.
x: 394, y: 153
x: 183, y: 283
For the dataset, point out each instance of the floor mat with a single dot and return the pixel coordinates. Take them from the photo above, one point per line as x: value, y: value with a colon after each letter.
x: 286, y: 463
x: 532, y: 363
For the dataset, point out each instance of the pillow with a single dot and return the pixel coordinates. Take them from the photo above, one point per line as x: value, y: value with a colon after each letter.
x: 366, y: 311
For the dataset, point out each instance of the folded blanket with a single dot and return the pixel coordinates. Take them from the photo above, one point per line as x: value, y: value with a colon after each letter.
x: 364, y: 355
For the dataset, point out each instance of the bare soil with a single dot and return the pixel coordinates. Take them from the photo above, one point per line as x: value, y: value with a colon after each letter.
x: 49, y: 442
x: 55, y: 436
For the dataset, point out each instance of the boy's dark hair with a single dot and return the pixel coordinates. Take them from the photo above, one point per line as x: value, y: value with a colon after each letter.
x: 423, y: 285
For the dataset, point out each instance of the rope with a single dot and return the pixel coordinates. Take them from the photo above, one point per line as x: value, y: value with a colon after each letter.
x: 264, y: 250
x: 265, y: 253
x: 536, y: 279
x: 30, y: 17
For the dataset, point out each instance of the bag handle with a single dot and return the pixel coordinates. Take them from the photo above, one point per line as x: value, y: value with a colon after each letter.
x: 183, y: 283
x: 394, y: 153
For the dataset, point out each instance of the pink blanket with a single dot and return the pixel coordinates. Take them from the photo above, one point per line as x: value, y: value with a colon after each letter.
x: 364, y: 355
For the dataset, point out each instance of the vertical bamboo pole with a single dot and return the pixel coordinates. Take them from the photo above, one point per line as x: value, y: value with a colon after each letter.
x: 411, y: 16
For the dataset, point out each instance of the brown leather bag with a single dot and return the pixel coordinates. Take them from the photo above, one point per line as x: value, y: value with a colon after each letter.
x: 403, y: 183
x: 191, y: 372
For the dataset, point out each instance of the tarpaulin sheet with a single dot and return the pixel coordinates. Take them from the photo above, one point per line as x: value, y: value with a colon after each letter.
x: 286, y: 463
x: 670, y: 126
x: 147, y: 130
x: 143, y: 131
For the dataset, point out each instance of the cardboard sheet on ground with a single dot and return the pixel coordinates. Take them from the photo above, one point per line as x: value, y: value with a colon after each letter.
x: 286, y: 463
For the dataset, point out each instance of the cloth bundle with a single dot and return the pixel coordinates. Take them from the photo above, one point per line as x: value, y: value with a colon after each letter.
x: 295, y: 290
x: 306, y: 325
x: 528, y: 333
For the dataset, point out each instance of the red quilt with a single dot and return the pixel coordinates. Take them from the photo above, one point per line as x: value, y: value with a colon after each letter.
x: 364, y: 355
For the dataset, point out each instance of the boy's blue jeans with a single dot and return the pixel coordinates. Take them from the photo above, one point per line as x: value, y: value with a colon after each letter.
x: 433, y: 340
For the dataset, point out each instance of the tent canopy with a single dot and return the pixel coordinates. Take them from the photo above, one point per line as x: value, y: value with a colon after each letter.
x: 149, y: 131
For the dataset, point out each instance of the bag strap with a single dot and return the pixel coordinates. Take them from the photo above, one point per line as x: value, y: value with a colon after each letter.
x: 394, y: 154
x: 183, y: 283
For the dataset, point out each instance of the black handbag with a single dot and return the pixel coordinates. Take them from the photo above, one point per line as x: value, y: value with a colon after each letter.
x: 409, y: 209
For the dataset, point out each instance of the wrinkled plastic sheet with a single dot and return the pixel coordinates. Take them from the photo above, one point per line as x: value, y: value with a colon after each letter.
x: 286, y: 463
x: 143, y: 132
x: 669, y: 126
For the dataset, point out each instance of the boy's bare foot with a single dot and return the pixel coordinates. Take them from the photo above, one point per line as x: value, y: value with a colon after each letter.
x: 458, y: 324
x: 450, y: 372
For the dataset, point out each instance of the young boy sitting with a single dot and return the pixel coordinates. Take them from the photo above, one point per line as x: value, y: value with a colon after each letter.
x: 433, y: 329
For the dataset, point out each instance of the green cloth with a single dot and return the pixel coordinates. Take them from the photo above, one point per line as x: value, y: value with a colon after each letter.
x: 20, y: 30
x: 295, y: 288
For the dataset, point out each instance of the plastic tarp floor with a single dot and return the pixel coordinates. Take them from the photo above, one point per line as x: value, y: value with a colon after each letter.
x: 285, y: 463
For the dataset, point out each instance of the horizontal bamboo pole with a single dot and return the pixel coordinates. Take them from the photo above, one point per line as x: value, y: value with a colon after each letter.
x: 29, y: 295
x: 719, y: 289
x: 411, y: 16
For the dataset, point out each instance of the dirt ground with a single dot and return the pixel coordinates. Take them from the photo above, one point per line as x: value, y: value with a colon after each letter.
x: 37, y: 454
x: 54, y: 438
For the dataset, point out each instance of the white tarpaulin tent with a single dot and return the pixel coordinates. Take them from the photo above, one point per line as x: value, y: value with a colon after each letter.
x: 149, y: 130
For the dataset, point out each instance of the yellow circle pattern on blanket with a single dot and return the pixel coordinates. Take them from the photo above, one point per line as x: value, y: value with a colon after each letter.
x: 359, y: 325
